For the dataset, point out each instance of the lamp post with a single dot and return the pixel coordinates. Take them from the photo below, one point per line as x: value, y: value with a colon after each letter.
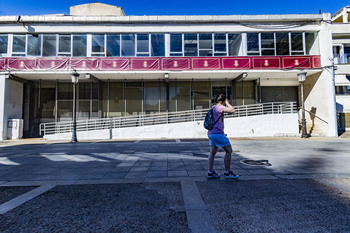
x: 301, y: 78
x: 74, y: 75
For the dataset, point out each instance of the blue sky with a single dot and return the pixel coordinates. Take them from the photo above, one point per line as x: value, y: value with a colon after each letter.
x: 180, y: 7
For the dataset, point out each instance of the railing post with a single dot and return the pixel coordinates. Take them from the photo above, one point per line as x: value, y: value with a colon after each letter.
x: 272, y: 107
x: 246, y: 110
x: 291, y: 107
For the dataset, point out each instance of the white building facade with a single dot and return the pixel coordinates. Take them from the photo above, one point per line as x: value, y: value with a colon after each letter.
x: 341, y: 50
x: 142, y: 65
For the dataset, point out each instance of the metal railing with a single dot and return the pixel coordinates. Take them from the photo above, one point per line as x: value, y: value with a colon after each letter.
x: 164, y: 118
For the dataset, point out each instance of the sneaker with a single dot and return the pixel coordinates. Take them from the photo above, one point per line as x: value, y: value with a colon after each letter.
x: 213, y: 175
x: 231, y: 175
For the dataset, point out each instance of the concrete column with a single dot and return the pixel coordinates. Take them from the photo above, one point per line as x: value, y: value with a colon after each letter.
x: 11, y: 102
x: 345, y: 15
x: 320, y: 89
x: 2, y: 108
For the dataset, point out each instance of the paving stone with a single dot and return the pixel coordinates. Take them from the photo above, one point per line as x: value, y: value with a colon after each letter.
x: 177, y: 173
x: 130, y: 175
x: 139, y: 169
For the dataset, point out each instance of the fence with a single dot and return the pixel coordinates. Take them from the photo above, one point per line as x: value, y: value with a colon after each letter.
x: 164, y: 118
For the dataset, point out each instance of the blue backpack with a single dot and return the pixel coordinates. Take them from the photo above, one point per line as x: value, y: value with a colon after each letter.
x: 209, y: 119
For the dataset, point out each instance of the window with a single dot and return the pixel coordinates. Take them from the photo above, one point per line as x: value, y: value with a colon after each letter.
x: 190, y: 43
x: 342, y: 90
x: 297, y: 45
x: 79, y: 46
x: 98, y: 45
x: 253, y: 47
x: 220, y: 45
x: 205, y: 45
x: 157, y: 45
x: 311, y: 43
x: 267, y: 44
x: 65, y: 45
x: 19, y: 45
x: 34, y: 45
x: 49, y: 45
x: 142, y: 45
x: 128, y: 45
x: 282, y: 44
x: 234, y: 44
x: 113, y: 45
x: 176, y: 45
x: 3, y: 45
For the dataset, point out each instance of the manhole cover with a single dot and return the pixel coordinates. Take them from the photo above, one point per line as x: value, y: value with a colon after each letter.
x: 256, y: 162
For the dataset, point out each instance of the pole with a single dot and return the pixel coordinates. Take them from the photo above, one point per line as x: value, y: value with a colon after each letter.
x: 74, y: 133
x: 303, y: 120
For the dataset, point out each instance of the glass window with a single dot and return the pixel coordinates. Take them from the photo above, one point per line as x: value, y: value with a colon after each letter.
x: 113, y: 45
x: 47, y: 101
x: 253, y: 44
x: 249, y: 93
x: 34, y: 45
x: 191, y: 46
x: 183, y: 96
x: 152, y: 97
x: 201, y: 95
x: 142, y: 44
x: 65, y: 101
x: 116, y: 104
x: 3, y: 44
x: 49, y: 45
x: 311, y: 43
x: 172, y: 97
x: 267, y: 44
x: 79, y: 45
x: 98, y: 45
x: 175, y: 44
x: 133, y: 98
x: 19, y: 45
x: 297, y: 43
x: 346, y: 55
x: 64, y: 45
x: 205, y: 45
x: 282, y: 44
x: 65, y: 91
x: 158, y: 45
x: 342, y: 90
x: 234, y: 44
x: 128, y: 45
x: 219, y: 44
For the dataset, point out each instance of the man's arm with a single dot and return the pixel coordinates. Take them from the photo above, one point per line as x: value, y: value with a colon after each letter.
x: 229, y: 108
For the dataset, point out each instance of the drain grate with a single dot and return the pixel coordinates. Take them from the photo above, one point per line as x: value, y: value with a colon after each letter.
x: 256, y: 162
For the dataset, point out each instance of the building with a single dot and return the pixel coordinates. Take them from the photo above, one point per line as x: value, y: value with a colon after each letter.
x: 341, y: 50
x: 142, y: 65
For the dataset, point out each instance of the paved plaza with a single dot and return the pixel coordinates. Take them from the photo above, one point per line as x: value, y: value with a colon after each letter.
x: 160, y: 186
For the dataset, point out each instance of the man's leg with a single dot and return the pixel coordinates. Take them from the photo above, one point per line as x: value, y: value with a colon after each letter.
x: 213, y: 150
x: 227, y: 160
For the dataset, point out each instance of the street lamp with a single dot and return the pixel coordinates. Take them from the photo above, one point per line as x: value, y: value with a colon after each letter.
x: 75, y: 77
x: 301, y: 78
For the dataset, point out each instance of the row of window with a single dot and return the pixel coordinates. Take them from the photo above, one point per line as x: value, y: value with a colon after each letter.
x: 113, y: 99
x: 159, y: 45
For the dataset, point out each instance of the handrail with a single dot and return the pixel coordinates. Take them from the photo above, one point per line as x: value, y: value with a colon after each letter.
x: 165, y: 118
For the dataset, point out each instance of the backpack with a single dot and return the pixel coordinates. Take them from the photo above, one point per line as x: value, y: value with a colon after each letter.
x: 209, y: 119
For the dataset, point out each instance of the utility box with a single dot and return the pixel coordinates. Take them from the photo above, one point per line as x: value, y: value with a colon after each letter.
x: 14, y: 128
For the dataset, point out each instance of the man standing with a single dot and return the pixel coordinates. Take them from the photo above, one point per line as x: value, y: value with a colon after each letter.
x: 218, y: 138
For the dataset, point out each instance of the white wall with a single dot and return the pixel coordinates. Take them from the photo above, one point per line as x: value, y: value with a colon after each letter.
x: 11, y: 103
x: 319, y: 90
x: 252, y: 126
